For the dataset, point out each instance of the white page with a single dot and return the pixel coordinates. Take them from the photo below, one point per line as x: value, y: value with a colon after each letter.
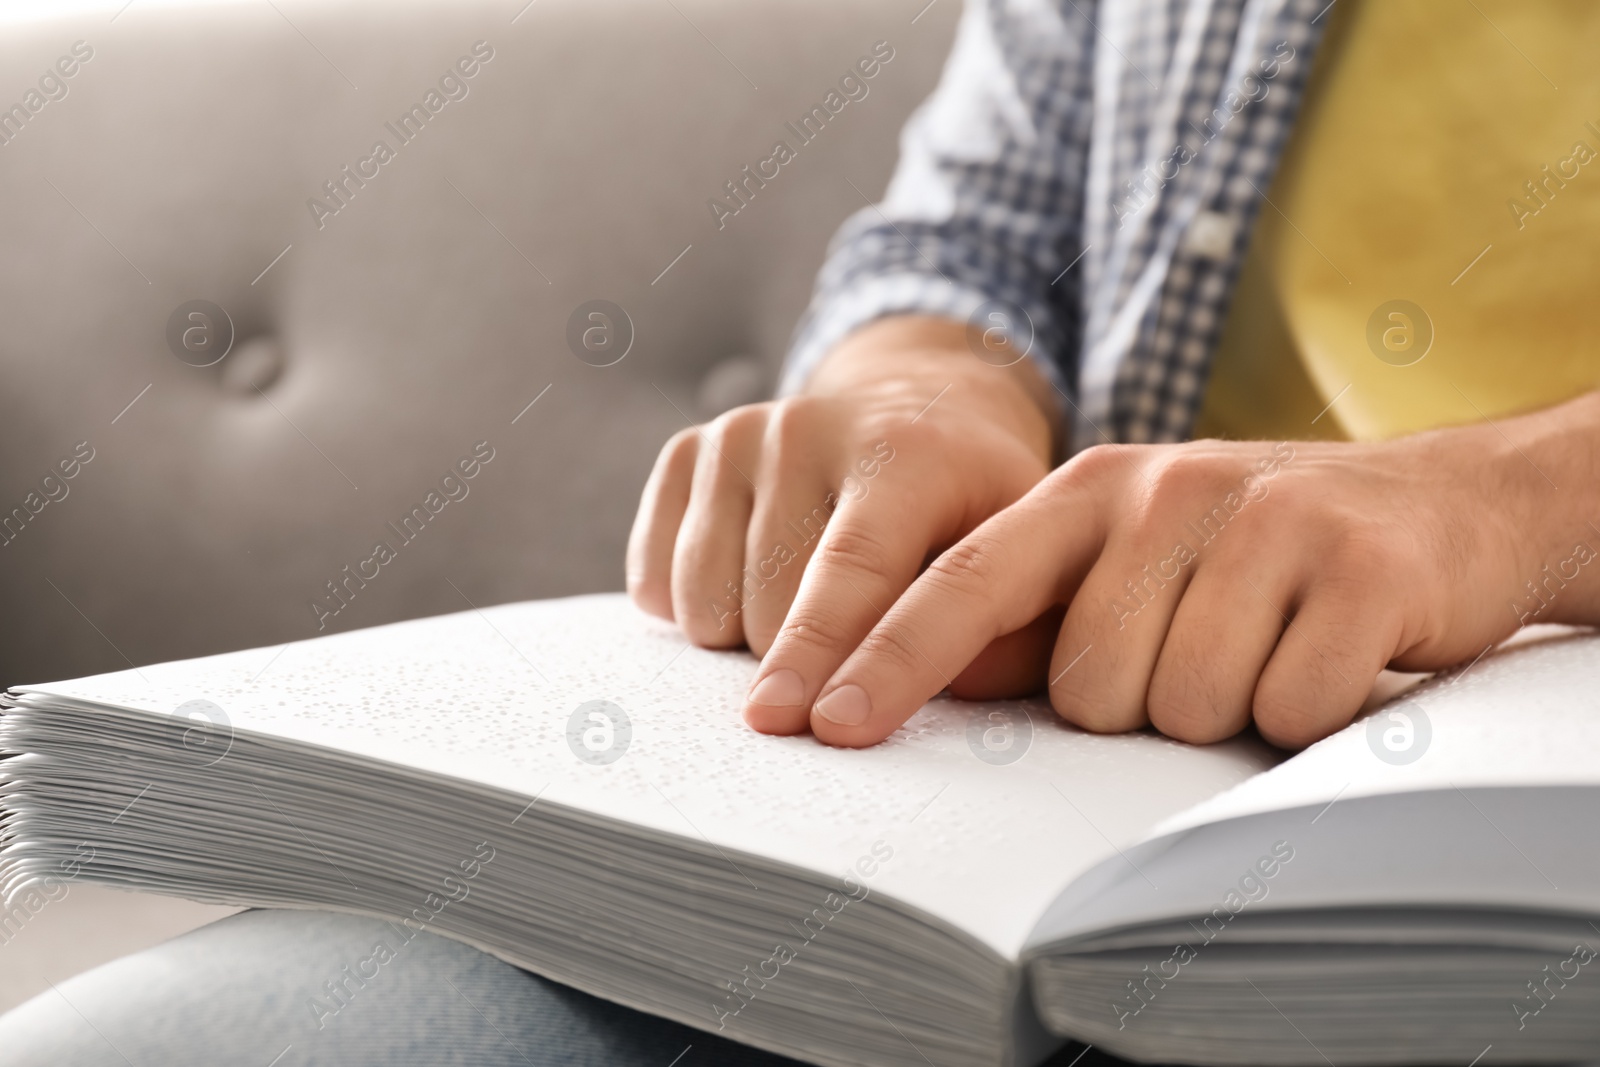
x: 1525, y: 714
x: 487, y: 696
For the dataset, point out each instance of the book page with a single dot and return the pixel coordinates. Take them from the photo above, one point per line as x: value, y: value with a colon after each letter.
x: 1460, y: 791
x: 1525, y: 714
x: 977, y: 814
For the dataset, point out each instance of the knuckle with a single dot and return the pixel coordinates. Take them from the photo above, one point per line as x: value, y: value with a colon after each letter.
x: 713, y: 435
x: 1093, y: 692
x: 1182, y: 471
x: 1318, y: 689
x: 1185, y: 477
x: 851, y: 548
x: 1089, y: 707
x: 970, y: 565
x: 677, y: 457
x: 750, y: 420
x: 1098, y: 463
x: 924, y: 436
x: 807, y: 632
x: 793, y: 423
x: 1283, y: 720
x: 738, y: 425
x: 890, y: 645
x: 685, y: 440
x: 1186, y: 705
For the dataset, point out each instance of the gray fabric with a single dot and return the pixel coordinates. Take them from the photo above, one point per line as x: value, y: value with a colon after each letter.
x: 421, y: 318
x: 256, y: 989
x: 316, y: 989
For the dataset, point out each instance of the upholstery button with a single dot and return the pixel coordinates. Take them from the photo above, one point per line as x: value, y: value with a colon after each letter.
x: 255, y: 364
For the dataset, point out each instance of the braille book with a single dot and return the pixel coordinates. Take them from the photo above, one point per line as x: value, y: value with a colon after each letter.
x: 567, y: 784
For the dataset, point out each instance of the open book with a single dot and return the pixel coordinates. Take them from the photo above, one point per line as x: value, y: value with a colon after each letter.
x: 567, y: 785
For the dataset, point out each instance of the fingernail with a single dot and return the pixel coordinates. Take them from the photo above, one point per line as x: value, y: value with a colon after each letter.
x: 780, y: 689
x: 847, y: 705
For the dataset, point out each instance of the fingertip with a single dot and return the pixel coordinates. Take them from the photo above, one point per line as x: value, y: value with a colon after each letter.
x: 835, y: 736
x: 844, y: 705
x: 781, y: 722
x: 776, y: 703
x: 845, y: 717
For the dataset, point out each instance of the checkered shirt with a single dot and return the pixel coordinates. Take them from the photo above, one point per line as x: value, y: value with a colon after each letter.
x: 1097, y: 166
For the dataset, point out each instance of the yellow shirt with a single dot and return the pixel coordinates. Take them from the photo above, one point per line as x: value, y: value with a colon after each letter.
x: 1430, y: 254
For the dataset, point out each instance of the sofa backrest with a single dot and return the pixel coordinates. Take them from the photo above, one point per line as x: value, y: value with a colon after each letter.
x: 173, y: 172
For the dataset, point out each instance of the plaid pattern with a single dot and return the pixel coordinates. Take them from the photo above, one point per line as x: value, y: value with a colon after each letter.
x: 1099, y: 165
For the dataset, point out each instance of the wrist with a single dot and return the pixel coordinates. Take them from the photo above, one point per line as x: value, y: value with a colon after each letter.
x: 931, y: 355
x: 1549, y: 474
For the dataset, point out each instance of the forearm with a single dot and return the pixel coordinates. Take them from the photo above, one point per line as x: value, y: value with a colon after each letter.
x: 929, y: 354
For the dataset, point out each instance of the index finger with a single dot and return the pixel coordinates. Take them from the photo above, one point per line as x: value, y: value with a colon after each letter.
x: 999, y: 578
x: 868, y: 553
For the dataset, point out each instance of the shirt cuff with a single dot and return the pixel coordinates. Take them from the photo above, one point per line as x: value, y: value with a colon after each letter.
x: 908, y: 293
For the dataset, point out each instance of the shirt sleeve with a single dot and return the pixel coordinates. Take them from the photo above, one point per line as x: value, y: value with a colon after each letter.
x: 986, y: 200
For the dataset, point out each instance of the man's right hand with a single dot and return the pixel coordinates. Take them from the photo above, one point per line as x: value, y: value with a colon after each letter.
x: 793, y: 525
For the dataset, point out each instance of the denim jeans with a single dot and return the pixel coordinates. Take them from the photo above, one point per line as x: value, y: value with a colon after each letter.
x: 302, y: 988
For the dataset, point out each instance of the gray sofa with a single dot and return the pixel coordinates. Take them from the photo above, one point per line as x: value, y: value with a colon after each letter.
x: 389, y: 310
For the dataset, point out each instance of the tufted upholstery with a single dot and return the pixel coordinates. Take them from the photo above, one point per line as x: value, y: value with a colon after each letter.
x: 416, y: 321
